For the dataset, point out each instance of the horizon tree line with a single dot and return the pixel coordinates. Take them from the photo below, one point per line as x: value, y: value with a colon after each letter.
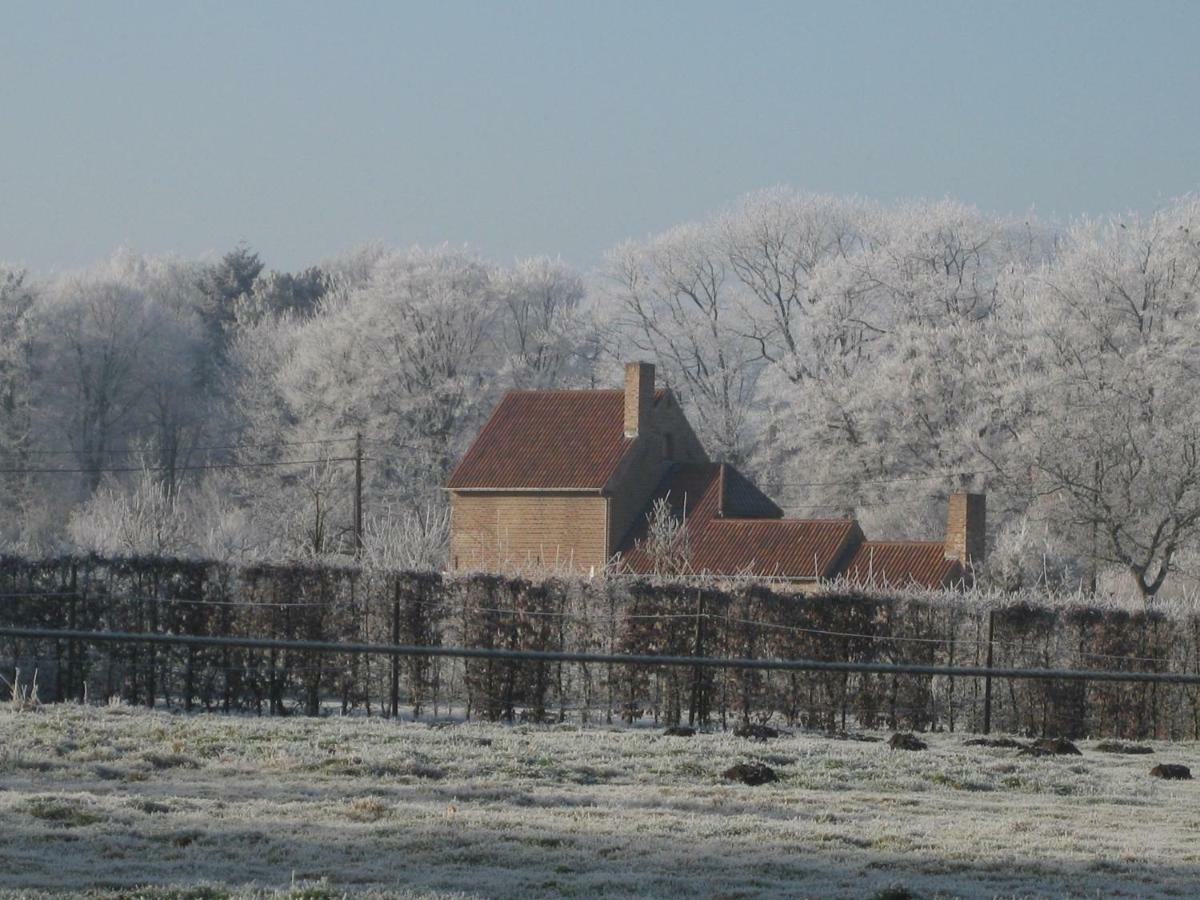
x: 854, y: 358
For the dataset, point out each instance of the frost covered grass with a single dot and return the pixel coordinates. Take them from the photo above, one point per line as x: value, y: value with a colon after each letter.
x: 109, y: 800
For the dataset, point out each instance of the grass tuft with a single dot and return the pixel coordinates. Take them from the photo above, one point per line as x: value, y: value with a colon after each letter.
x: 22, y: 697
x: 59, y: 812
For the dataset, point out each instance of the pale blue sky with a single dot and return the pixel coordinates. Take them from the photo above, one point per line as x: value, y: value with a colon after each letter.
x: 522, y: 128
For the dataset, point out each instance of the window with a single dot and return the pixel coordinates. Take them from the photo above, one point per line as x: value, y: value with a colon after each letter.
x: 668, y: 446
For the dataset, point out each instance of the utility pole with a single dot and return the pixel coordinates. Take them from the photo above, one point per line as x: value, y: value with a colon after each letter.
x: 1095, y: 530
x: 358, y: 495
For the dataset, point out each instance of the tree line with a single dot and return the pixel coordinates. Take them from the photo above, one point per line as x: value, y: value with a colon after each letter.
x: 854, y: 358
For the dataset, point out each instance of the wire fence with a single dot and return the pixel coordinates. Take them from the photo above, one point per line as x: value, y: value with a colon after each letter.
x: 619, y: 659
x: 295, y: 639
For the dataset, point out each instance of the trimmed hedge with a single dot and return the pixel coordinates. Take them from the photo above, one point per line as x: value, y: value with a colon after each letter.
x: 613, y: 616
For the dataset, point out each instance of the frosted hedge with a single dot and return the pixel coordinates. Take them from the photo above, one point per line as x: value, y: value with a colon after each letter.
x: 611, y: 616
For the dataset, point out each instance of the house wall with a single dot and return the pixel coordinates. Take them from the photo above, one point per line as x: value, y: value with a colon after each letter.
x: 530, y: 532
x: 634, y: 483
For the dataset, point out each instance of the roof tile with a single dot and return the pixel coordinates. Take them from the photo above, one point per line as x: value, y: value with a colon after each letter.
x: 734, y: 545
x: 548, y: 440
x: 901, y: 564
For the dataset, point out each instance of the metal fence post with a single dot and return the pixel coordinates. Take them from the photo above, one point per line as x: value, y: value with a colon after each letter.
x: 987, y: 681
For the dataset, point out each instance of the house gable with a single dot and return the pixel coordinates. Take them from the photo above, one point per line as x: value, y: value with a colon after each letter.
x: 556, y: 477
x: 639, y: 473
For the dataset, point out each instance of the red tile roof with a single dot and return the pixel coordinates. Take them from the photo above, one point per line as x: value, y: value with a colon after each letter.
x: 547, y: 440
x: 736, y: 530
x: 901, y: 564
x: 712, y: 496
x: 774, y: 548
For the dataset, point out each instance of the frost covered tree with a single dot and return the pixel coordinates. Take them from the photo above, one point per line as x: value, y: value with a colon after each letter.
x: 413, y: 538
x: 97, y: 333
x: 788, y: 252
x: 17, y: 398
x: 183, y: 391
x: 1115, y: 430
x: 123, y: 361
x: 856, y: 358
x: 410, y: 348
x: 677, y: 303
x: 545, y: 335
x: 835, y: 346
x: 99, y: 369
x: 402, y: 356
x: 223, y: 284
x: 668, y: 541
x: 145, y: 519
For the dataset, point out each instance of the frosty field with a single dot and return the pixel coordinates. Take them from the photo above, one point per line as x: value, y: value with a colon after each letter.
x: 110, y: 799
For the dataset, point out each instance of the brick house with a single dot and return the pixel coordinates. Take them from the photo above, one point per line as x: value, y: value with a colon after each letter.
x: 566, y: 481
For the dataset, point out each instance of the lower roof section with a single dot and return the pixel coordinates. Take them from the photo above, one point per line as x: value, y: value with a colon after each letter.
x: 901, y: 564
x: 713, y: 500
x: 732, y: 529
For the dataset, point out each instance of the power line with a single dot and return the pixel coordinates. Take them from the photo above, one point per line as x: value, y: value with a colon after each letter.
x: 845, y: 508
x: 407, y: 445
x: 169, y: 601
x: 978, y: 642
x: 897, y: 480
x: 254, y: 445
x: 334, y: 606
x: 250, y: 445
x: 833, y: 507
x: 790, y: 665
x: 187, y: 468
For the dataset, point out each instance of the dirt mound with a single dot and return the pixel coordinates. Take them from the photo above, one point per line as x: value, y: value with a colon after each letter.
x: 1051, y: 747
x: 1118, y: 747
x: 1172, y: 771
x: 902, y: 741
x: 756, y: 732
x: 679, y: 731
x: 752, y: 773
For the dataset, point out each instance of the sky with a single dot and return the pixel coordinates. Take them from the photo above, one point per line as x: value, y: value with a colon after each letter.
x: 560, y: 128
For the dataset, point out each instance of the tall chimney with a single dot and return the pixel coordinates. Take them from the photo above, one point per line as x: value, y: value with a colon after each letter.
x: 639, y: 395
x: 966, y: 528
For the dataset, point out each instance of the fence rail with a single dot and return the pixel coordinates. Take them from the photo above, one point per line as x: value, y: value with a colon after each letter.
x: 625, y: 659
x: 281, y: 640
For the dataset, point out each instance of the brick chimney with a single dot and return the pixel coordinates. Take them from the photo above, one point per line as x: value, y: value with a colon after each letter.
x: 639, y: 396
x: 966, y: 528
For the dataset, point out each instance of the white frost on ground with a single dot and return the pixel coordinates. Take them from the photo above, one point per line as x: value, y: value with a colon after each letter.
x: 108, y: 799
